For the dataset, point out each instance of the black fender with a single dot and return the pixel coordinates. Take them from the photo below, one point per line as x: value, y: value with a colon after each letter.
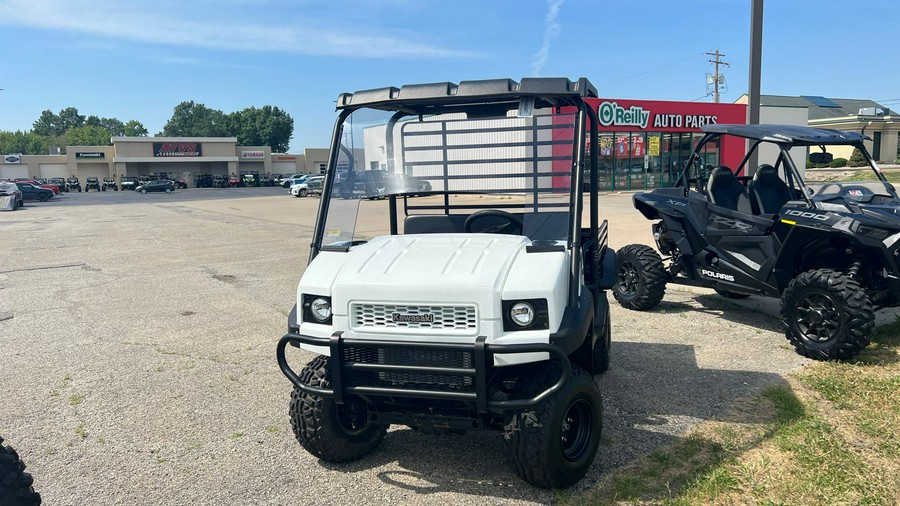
x: 292, y: 325
x: 607, y: 270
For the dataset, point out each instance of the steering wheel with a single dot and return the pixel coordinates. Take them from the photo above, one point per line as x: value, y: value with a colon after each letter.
x: 513, y: 225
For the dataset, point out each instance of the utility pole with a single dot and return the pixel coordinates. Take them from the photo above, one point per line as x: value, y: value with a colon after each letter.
x: 717, y: 78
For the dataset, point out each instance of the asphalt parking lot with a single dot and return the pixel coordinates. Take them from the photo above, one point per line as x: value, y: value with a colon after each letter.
x: 137, y: 361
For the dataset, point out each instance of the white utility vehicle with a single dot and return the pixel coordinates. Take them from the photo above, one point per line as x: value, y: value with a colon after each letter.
x: 479, y: 303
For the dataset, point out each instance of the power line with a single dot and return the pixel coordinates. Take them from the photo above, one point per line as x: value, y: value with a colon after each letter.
x: 650, y: 71
x: 717, y: 78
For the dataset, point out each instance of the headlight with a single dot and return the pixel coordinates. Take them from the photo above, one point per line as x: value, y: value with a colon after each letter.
x: 525, y: 314
x: 317, y: 309
x: 522, y: 314
x: 321, y: 309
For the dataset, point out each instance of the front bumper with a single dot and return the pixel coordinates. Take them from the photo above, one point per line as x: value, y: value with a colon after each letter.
x: 455, y: 371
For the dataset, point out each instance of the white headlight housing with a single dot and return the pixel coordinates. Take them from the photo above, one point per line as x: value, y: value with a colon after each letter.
x: 522, y: 314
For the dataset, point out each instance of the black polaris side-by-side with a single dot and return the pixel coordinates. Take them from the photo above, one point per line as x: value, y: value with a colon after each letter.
x: 91, y: 183
x: 829, y: 251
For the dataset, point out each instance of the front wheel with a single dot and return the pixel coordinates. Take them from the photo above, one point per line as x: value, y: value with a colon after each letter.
x: 333, y: 432
x: 143, y: 191
x: 640, y: 277
x: 827, y: 315
x: 43, y: 197
x: 553, y: 443
x: 168, y: 190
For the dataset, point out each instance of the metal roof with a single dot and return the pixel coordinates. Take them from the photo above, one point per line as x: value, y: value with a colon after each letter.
x: 824, y: 108
x: 422, y: 97
x: 787, y: 134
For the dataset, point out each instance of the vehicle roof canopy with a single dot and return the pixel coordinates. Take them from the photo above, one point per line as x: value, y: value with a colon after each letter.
x: 787, y: 134
x: 436, y: 97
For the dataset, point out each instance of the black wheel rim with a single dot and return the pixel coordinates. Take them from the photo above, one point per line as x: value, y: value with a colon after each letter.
x: 627, y: 278
x: 818, y: 317
x: 353, y: 416
x: 575, y: 433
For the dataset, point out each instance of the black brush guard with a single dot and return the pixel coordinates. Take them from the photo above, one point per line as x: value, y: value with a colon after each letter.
x: 482, y: 362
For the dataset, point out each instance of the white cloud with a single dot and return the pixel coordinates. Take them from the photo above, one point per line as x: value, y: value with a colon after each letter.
x: 551, y: 31
x: 177, y: 23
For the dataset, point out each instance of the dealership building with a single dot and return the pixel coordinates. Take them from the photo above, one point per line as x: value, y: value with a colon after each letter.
x: 185, y: 157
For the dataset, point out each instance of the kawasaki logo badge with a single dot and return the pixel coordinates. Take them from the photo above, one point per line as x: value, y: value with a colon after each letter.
x: 611, y: 114
x: 412, y: 318
x: 716, y: 275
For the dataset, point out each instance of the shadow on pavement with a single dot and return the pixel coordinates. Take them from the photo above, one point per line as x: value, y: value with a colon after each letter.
x: 652, y: 394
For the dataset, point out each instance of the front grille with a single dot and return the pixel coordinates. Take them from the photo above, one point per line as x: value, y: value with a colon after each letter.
x: 411, y: 357
x: 431, y: 319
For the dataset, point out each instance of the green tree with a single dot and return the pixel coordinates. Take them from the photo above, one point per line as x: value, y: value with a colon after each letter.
x: 857, y: 159
x: 88, y: 136
x: 134, y: 128
x: 267, y: 126
x: 112, y: 125
x: 190, y: 119
x: 50, y: 124
x: 27, y: 143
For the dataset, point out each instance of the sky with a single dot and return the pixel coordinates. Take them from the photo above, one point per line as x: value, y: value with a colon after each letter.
x: 134, y: 59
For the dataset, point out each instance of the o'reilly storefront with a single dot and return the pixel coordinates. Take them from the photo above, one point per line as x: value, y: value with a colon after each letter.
x: 644, y: 143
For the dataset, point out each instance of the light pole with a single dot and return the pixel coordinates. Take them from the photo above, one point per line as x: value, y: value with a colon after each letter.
x: 753, y: 89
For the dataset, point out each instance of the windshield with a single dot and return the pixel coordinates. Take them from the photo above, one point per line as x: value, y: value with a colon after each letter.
x: 847, y: 176
x: 444, y: 169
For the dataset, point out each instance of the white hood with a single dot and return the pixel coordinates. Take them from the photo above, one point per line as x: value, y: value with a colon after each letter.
x: 433, y: 268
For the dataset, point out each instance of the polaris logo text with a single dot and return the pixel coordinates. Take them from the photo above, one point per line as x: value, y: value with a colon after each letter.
x: 611, y: 114
x: 806, y: 214
x: 717, y: 275
x: 412, y: 318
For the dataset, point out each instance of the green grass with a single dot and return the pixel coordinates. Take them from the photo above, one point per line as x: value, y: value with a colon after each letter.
x: 829, y: 436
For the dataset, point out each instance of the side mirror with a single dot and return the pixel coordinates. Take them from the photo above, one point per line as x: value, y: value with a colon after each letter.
x: 821, y: 157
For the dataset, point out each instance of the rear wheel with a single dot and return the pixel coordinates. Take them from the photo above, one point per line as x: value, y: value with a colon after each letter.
x: 15, y: 483
x: 640, y: 277
x: 827, y: 315
x: 333, y: 432
x: 553, y: 443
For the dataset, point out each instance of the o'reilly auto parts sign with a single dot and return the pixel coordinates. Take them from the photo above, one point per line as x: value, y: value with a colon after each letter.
x: 662, y: 116
x: 12, y: 158
x: 90, y: 154
x: 176, y: 149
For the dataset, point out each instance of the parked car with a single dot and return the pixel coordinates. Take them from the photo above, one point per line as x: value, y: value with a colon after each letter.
x: 109, y: 183
x: 11, y: 190
x: 73, y: 184
x: 91, y: 183
x: 41, y: 184
x: 32, y: 192
x: 60, y: 182
x: 408, y: 185
x: 128, y: 182
x: 160, y: 185
x: 289, y: 180
x: 311, y: 185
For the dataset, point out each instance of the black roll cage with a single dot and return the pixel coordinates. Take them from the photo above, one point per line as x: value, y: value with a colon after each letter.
x: 791, y: 172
